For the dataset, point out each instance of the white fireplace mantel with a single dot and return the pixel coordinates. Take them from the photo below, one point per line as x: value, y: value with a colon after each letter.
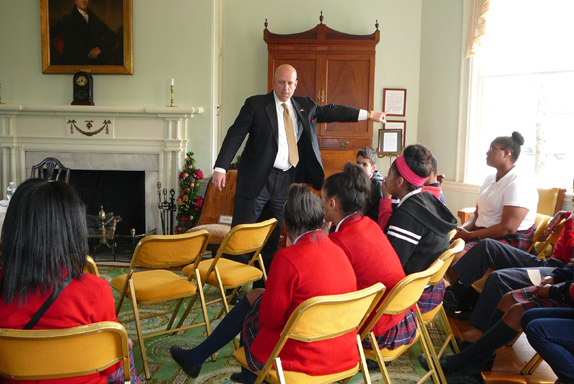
x: 151, y: 139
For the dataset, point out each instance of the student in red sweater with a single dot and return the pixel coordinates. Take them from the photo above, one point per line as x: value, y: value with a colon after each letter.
x: 312, y: 266
x: 373, y: 258
x: 44, y: 247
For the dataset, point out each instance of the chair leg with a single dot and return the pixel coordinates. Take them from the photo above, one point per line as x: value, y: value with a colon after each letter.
x: 428, y: 349
x: 139, y: 329
x: 187, y: 310
x: 203, y: 307
x: 262, y: 267
x: 449, y: 333
x: 175, y: 311
x: 382, y: 366
x: 531, y: 366
x: 362, y: 363
x: 222, y: 291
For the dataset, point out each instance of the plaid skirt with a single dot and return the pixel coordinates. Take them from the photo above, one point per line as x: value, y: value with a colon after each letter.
x: 432, y: 296
x: 526, y: 298
x: 520, y: 240
x: 251, y: 327
x: 118, y: 376
x: 401, y: 334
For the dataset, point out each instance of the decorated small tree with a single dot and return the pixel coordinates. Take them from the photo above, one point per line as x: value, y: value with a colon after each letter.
x: 188, y: 203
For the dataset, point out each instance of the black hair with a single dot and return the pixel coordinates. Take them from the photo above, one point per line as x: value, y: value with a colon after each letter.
x: 368, y: 153
x: 303, y: 211
x: 418, y: 158
x: 351, y: 187
x: 511, y: 143
x: 44, y: 238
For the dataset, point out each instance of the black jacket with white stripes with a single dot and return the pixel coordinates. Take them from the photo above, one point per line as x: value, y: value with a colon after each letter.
x: 419, y: 230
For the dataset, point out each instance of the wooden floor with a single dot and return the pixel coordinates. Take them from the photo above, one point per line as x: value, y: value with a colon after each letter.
x: 509, y: 360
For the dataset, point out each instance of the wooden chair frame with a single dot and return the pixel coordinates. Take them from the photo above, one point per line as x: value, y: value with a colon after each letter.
x: 401, y: 298
x: 52, y: 165
x: 128, y: 286
x: 60, y: 353
x: 339, y: 314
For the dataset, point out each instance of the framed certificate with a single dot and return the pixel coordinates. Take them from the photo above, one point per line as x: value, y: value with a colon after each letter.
x: 390, y: 142
x: 395, y: 100
x: 402, y: 125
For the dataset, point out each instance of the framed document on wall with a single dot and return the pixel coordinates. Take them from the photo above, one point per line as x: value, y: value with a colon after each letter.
x: 390, y: 142
x: 395, y: 100
x: 397, y: 124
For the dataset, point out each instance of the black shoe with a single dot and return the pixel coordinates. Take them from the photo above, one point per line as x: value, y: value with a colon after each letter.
x: 236, y: 377
x: 235, y: 299
x: 462, y: 344
x: 466, y: 314
x: 190, y: 368
x: 489, y: 363
x: 424, y: 363
x: 459, y: 377
x: 449, y: 303
x: 372, y: 365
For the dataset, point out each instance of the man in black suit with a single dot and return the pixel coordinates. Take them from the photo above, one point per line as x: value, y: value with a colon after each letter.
x: 87, y: 39
x: 267, y: 167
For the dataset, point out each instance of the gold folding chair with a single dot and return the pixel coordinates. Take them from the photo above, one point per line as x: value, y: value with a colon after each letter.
x: 158, y: 253
x: 60, y: 353
x: 322, y: 318
x: 228, y: 274
x: 447, y: 257
x: 401, y: 298
x: 91, y: 267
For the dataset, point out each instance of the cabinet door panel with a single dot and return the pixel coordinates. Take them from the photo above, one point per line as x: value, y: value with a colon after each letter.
x: 334, y: 160
x: 348, y: 82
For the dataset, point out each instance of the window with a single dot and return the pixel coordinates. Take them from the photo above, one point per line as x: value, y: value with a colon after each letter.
x: 524, y: 81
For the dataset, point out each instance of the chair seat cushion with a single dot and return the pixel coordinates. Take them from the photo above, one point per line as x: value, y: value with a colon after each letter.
x: 232, y: 273
x: 217, y: 231
x: 156, y: 285
x: 297, y: 377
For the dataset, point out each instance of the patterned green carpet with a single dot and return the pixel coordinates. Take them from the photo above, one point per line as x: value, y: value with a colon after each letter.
x: 163, y: 369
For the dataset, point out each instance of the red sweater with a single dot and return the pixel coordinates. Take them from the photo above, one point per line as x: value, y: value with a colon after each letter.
x: 309, y: 268
x: 83, y: 301
x: 565, y: 243
x: 373, y: 258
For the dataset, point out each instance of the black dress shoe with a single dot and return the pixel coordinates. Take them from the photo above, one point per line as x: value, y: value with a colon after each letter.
x: 236, y: 377
x: 424, y: 363
x: 449, y: 303
x: 458, y: 377
x: 189, y: 367
x: 372, y: 365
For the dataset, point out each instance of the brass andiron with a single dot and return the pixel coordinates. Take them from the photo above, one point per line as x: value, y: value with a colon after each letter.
x: 167, y: 210
x: 102, y: 217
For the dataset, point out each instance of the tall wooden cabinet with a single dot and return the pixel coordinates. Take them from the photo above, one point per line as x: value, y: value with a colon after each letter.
x: 332, y: 68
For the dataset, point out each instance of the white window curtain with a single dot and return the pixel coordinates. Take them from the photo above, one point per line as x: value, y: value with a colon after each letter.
x: 477, y: 25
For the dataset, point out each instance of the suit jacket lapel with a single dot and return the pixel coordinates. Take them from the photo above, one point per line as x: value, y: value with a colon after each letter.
x: 271, y: 110
x: 302, y: 119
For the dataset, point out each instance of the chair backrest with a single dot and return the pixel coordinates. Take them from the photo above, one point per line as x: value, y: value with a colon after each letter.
x: 217, y: 202
x: 540, y: 223
x: 51, y: 169
x: 91, y: 267
x: 550, y: 200
x: 70, y: 352
x: 403, y: 295
x: 447, y: 258
x: 166, y: 251
x: 327, y: 317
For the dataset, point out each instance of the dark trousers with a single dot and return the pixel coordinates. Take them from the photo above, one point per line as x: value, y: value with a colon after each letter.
x: 550, y: 331
x: 510, y: 265
x: 269, y: 204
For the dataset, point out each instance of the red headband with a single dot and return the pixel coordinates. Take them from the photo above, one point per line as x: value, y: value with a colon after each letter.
x: 407, y: 173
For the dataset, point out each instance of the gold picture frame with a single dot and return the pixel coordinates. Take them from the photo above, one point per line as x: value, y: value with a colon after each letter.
x: 390, y: 142
x: 115, y: 16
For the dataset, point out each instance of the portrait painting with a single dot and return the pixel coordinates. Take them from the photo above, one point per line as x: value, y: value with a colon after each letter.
x: 89, y: 35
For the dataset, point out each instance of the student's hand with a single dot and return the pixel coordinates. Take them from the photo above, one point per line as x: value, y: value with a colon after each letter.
x: 385, y: 190
x: 557, y: 219
x: 547, y: 280
x: 542, y: 292
x: 462, y: 233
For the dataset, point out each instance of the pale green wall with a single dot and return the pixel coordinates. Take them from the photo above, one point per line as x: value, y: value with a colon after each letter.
x: 172, y: 39
x: 398, y: 52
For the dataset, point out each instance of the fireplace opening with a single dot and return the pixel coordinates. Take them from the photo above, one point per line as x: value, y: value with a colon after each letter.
x: 120, y: 192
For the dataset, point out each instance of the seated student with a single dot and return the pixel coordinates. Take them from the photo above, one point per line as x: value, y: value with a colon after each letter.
x: 418, y: 229
x: 550, y: 332
x: 367, y: 159
x: 504, y: 325
x: 45, y: 248
x: 431, y: 184
x: 373, y: 258
x: 493, y: 254
x: 312, y: 266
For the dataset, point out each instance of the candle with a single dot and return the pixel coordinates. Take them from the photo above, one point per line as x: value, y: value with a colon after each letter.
x: 172, y: 81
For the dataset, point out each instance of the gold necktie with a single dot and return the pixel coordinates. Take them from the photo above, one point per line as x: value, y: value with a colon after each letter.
x: 291, y: 139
